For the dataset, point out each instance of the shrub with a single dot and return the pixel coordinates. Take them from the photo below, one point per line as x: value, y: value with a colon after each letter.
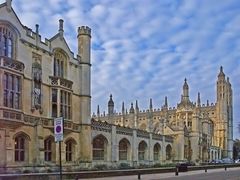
x: 124, y: 166
x: 101, y: 167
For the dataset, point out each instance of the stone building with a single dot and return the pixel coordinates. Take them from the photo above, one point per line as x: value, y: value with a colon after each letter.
x: 41, y: 80
x: 200, y: 132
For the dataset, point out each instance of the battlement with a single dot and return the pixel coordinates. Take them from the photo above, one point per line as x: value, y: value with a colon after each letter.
x: 35, y: 36
x: 84, y: 30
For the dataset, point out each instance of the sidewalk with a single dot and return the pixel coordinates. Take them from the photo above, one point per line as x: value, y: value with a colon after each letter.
x: 164, y: 175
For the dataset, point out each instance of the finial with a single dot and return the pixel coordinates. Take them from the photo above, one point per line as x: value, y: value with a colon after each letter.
x: 221, y: 73
x: 207, y: 102
x: 131, y: 109
x: 136, y: 106
x: 166, y: 102
x: 185, y: 79
x: 37, y: 29
x: 123, y: 109
x: 60, y: 30
x: 98, y: 110
x: 221, y: 69
x: 198, y: 100
x: 61, y: 24
x: 110, y: 102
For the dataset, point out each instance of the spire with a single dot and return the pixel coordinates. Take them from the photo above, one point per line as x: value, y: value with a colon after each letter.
x: 123, y: 109
x: 150, y: 105
x: 110, y: 102
x: 185, y: 96
x: 98, y: 111
x: 136, y: 106
x: 185, y: 85
x: 60, y: 30
x: 198, y: 100
x: 166, y: 102
x: 131, y: 109
x: 110, y: 105
x: 207, y: 102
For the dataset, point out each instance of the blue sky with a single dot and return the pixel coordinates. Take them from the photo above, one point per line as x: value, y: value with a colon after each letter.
x: 144, y: 49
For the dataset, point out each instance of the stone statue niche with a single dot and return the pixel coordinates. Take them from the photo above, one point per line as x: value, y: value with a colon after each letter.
x: 36, y: 83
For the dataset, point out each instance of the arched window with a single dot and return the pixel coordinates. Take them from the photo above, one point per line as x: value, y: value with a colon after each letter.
x: 21, y: 147
x: 12, y: 90
x: 99, y: 148
x: 6, y: 41
x: 168, y: 152
x: 9, y: 48
x: 142, y: 150
x: 123, y: 149
x: 156, y: 152
x: 48, y: 149
x: 69, y: 150
x: 59, y: 64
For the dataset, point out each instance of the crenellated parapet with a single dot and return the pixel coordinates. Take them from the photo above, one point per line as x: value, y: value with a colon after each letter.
x: 84, y: 30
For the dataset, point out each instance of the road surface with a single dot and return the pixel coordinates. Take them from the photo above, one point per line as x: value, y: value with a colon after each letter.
x: 212, y: 174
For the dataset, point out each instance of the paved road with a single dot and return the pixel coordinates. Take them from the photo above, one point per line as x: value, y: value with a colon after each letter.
x: 214, y: 174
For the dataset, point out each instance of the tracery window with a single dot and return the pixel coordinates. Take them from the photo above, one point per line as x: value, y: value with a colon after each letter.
x: 65, y: 104
x: 21, y: 148
x: 156, y: 152
x: 48, y: 149
x: 142, y: 151
x: 12, y: 90
x: 168, y: 152
x: 6, y: 42
x: 58, y: 64
x: 123, y: 149
x: 99, y: 148
x: 69, y: 150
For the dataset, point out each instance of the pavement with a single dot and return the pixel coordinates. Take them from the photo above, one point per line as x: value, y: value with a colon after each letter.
x: 211, y: 174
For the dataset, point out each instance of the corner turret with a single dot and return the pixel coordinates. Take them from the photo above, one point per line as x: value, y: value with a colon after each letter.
x: 84, y: 43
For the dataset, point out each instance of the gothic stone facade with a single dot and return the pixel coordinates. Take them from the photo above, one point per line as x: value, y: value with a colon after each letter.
x: 41, y: 80
x: 200, y: 132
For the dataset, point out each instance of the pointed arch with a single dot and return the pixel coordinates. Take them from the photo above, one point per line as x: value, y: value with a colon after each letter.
x: 49, y: 148
x: 142, y: 151
x: 21, y: 146
x: 99, y: 147
x: 168, y: 152
x: 156, y: 151
x: 70, y: 149
x: 124, y: 149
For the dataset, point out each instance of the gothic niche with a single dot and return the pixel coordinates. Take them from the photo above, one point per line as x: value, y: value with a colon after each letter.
x: 36, y: 83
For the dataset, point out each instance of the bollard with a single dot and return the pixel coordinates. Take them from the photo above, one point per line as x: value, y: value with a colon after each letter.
x: 139, y: 175
x: 176, y: 171
x: 225, y: 168
x: 205, y: 169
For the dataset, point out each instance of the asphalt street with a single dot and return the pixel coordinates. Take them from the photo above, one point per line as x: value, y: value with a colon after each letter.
x: 214, y: 174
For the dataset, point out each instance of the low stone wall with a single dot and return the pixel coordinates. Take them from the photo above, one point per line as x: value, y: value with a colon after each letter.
x: 109, y: 173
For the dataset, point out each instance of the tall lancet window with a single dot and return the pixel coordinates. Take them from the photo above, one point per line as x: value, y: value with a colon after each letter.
x: 7, y: 36
x: 36, y: 83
